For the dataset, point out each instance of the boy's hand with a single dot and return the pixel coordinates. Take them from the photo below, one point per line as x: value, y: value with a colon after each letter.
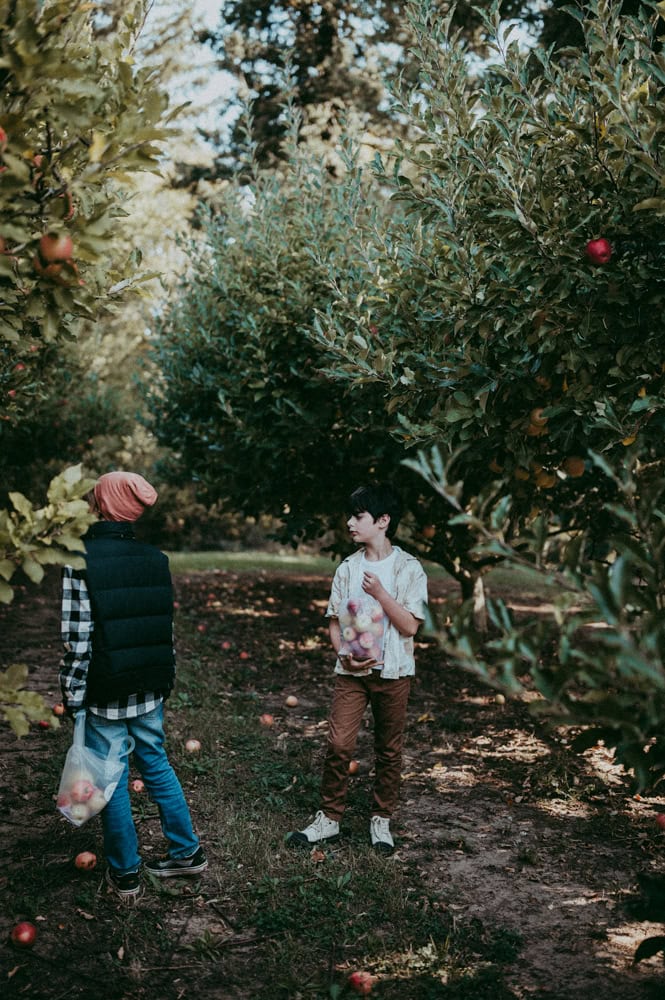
x: 355, y: 666
x: 372, y: 585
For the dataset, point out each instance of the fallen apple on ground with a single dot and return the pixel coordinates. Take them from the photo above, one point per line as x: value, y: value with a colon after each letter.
x: 660, y: 820
x: 193, y: 746
x: 353, y: 766
x: 137, y: 785
x: 361, y: 982
x: 291, y: 701
x: 86, y: 860
x: 266, y: 719
x: 23, y: 934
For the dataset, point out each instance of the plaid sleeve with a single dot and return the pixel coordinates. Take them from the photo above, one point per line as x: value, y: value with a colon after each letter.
x: 76, y: 632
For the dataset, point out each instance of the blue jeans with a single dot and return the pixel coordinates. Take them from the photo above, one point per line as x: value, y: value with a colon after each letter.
x: 161, y: 782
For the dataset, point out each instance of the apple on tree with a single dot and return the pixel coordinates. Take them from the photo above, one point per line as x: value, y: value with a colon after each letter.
x: 599, y: 251
x: 55, y: 248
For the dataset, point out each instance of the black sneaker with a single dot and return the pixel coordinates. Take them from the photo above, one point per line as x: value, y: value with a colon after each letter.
x: 169, y: 867
x: 126, y: 886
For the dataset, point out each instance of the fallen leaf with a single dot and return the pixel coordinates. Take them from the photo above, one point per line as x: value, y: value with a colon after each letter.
x: 86, y: 916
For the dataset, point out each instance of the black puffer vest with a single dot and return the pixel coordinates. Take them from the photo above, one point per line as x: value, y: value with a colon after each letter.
x: 131, y: 595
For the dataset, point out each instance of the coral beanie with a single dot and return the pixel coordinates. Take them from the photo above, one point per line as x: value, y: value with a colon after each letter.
x: 123, y: 496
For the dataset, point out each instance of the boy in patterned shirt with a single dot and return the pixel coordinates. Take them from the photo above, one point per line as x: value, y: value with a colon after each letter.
x: 119, y: 665
x: 377, y: 603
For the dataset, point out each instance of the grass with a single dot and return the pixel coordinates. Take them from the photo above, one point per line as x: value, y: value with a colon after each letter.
x: 527, y: 581
x: 284, y: 562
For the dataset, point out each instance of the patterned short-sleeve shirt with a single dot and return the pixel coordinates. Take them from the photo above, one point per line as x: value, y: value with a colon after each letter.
x: 409, y: 589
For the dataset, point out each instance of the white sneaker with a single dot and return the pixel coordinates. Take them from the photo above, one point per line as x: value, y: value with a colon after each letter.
x: 379, y: 834
x: 321, y: 828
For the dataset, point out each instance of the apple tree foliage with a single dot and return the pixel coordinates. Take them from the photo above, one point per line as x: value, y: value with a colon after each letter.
x: 77, y: 119
x: 243, y: 402
x: 509, y: 350
x: 32, y: 538
x: 341, y: 55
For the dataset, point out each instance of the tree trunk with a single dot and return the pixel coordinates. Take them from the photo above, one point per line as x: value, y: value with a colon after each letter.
x: 473, y: 588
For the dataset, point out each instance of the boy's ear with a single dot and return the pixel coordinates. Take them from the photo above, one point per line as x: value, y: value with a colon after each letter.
x: 383, y: 520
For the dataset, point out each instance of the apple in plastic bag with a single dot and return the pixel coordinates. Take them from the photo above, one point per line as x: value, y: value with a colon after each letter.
x: 96, y: 802
x: 79, y: 812
x: 81, y: 790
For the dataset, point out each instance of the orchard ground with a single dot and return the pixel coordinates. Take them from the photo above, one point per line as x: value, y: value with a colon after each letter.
x: 521, y: 870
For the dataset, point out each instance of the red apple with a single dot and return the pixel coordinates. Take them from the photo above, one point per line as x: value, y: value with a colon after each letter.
x: 599, y: 251
x: 44, y: 724
x: 361, y: 982
x: 353, y: 766
x: 243, y: 655
x: 193, y: 746
x: 226, y: 644
x: 202, y: 627
x: 58, y: 708
x: 660, y: 820
x: 81, y: 790
x: 86, y: 860
x: 137, y: 785
x: 291, y: 701
x: 55, y: 247
x: 23, y: 935
x: 3, y: 139
x: 266, y: 719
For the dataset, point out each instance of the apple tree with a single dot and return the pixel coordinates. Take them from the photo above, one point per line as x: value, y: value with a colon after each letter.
x: 77, y: 120
x: 517, y: 329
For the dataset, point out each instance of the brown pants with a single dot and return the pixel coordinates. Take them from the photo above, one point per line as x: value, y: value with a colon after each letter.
x: 388, y: 699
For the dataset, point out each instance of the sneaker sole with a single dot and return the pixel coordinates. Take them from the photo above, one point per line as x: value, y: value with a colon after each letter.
x: 176, y: 872
x: 382, y: 848
x: 300, y: 840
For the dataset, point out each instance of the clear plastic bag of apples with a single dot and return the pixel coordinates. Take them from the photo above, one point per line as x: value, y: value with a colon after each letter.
x: 88, y: 779
x: 362, y: 623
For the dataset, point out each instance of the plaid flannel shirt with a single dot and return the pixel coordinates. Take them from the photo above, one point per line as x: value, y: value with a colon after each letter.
x: 76, y: 631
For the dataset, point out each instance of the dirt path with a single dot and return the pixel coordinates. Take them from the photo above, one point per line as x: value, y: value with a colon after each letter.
x: 509, y: 830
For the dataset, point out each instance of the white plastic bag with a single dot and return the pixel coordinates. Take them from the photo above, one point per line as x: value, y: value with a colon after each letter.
x: 89, y: 780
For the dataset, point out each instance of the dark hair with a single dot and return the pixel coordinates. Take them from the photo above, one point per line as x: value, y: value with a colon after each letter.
x: 378, y: 499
